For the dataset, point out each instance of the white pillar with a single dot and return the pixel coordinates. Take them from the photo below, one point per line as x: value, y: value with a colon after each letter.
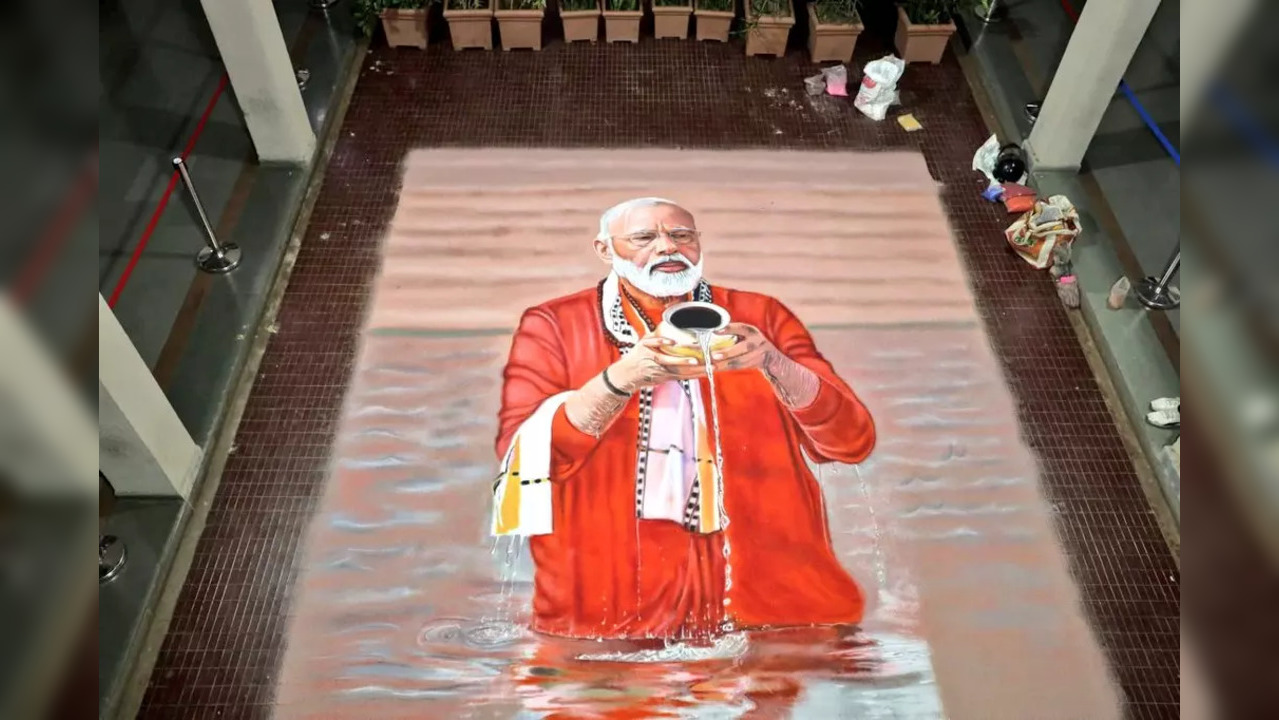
x: 143, y: 448
x: 46, y: 429
x: 1099, y: 51
x: 257, y: 61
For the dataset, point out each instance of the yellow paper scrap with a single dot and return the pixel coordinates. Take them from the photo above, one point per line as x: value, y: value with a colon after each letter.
x: 909, y: 123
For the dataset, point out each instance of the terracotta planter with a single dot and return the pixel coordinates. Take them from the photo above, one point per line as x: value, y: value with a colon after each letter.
x: 671, y: 21
x: 622, y: 25
x: 921, y: 43
x: 581, y: 24
x: 470, y: 28
x: 831, y: 42
x: 404, y: 28
x: 768, y: 33
x: 520, y: 28
x: 713, y: 24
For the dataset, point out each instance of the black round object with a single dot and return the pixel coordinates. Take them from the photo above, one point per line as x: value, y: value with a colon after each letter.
x: 695, y: 318
x: 1010, y: 164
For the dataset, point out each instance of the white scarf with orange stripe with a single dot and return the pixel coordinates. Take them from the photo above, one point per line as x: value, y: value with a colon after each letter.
x: 522, y: 493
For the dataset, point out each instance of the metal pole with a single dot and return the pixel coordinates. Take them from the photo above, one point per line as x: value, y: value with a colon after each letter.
x: 216, y: 257
x: 1158, y: 293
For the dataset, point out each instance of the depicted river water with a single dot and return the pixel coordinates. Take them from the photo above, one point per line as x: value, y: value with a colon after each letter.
x: 495, y: 667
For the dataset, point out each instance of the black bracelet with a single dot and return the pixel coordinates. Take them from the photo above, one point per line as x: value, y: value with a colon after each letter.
x: 611, y: 387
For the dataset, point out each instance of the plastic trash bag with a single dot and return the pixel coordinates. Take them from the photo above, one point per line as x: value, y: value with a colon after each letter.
x: 984, y: 160
x: 1118, y: 294
x: 836, y: 80
x: 815, y: 85
x: 879, y: 86
x: 1050, y: 223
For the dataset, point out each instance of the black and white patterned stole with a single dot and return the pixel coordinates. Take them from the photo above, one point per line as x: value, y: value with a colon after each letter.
x: 625, y: 337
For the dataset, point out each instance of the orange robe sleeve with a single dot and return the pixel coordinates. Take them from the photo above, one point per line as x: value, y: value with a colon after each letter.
x: 836, y: 426
x: 536, y: 369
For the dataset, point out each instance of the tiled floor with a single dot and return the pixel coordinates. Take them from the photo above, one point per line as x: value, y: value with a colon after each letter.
x: 225, y: 643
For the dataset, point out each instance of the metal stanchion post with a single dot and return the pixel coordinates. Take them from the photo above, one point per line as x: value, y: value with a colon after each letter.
x: 216, y: 257
x: 1158, y: 293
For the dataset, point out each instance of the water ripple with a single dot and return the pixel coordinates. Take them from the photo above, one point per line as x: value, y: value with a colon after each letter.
x: 379, y: 462
x: 476, y: 634
x: 942, y: 509
x: 725, y: 647
x: 397, y: 518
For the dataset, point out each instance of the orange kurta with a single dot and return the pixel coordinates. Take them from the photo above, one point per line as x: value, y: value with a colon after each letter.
x: 603, y: 573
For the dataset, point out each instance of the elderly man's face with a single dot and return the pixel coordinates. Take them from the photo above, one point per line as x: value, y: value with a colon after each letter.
x: 651, y: 232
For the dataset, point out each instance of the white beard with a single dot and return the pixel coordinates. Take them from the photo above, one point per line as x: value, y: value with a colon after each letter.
x: 661, y: 284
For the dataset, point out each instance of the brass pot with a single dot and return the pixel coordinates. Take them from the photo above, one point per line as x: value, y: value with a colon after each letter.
x: 683, y: 322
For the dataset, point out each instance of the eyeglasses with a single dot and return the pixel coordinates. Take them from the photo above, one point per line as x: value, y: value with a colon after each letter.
x: 679, y: 236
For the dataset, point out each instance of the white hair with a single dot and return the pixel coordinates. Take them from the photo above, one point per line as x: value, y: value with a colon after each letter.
x: 619, y: 210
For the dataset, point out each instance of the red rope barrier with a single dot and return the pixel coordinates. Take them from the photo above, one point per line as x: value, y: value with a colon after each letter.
x: 164, y: 199
x: 55, y: 236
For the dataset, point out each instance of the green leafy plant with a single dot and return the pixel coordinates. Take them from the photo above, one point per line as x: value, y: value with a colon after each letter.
x: 622, y: 5
x: 366, y: 12
x: 715, y: 5
x: 837, y: 12
x: 521, y: 4
x: 770, y: 8
x: 935, y: 12
x: 579, y: 5
x: 672, y: 3
x: 466, y: 4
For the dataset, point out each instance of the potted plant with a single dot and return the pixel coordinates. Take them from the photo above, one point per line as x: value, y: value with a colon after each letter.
x: 924, y: 28
x: 581, y: 19
x: 989, y: 11
x: 768, y: 25
x: 470, y: 23
x: 833, y: 27
x: 670, y: 18
x: 714, y: 19
x: 403, y: 21
x: 519, y: 23
x: 622, y: 20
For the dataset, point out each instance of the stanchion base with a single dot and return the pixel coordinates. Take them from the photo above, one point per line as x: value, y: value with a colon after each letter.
x: 211, y: 262
x: 1154, y: 297
x: 111, y: 557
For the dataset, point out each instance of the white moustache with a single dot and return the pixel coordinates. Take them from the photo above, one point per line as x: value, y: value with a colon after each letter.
x: 651, y: 267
